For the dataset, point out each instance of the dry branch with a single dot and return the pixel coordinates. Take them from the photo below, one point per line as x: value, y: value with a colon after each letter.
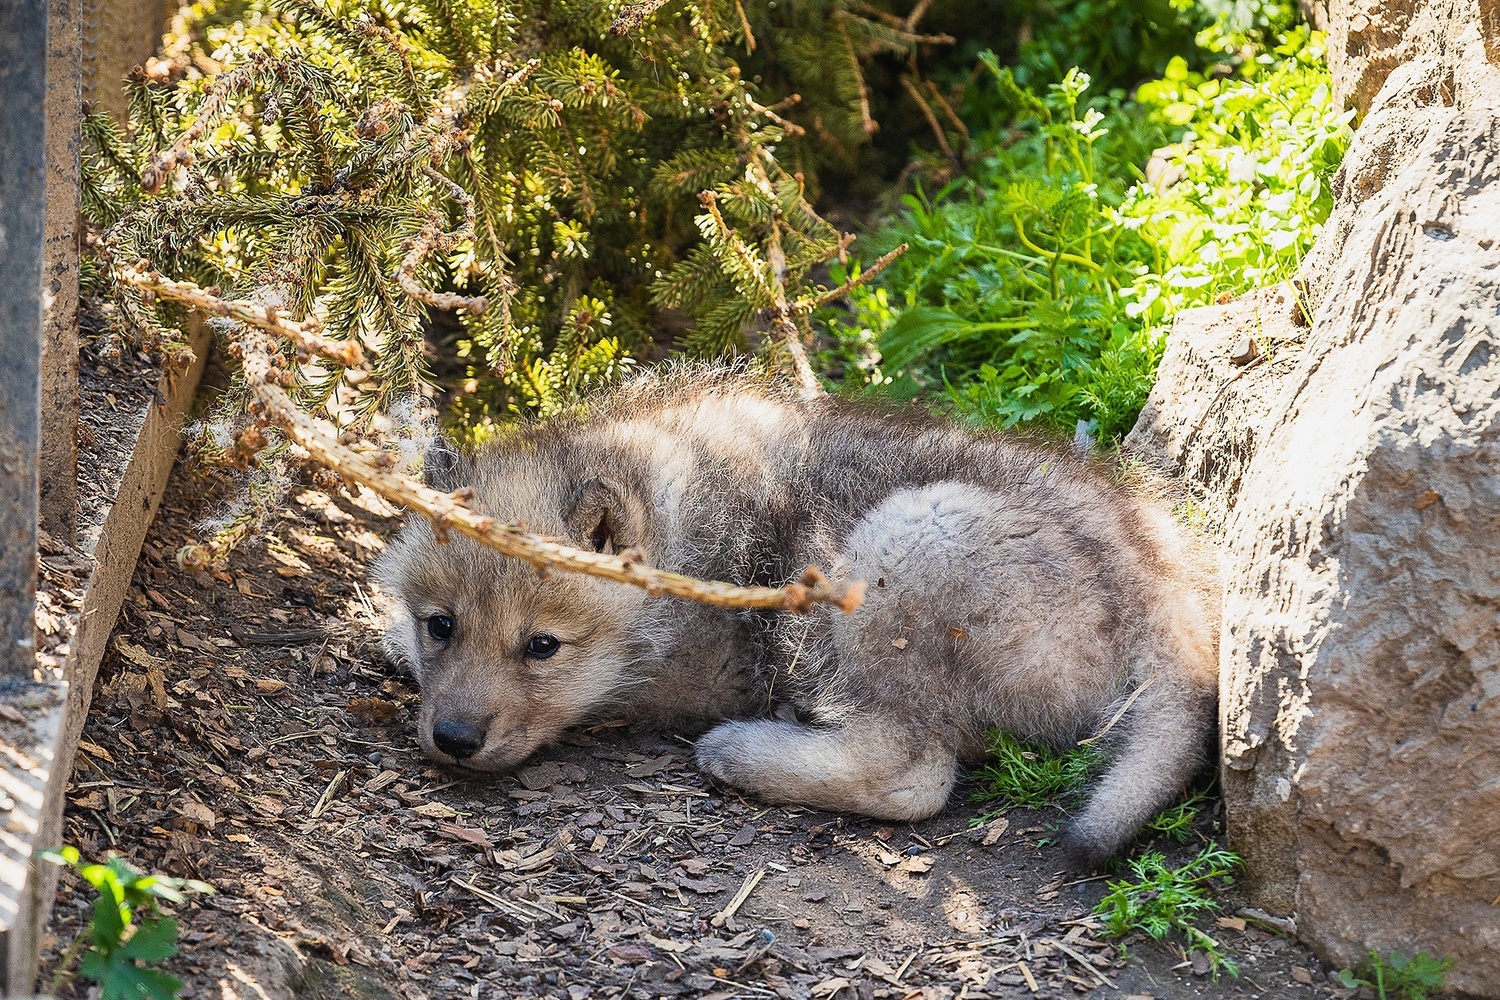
x: 304, y: 334
x: 265, y: 371
x: 428, y: 239
x: 449, y: 514
x: 910, y: 25
x: 792, y: 128
x: 833, y: 295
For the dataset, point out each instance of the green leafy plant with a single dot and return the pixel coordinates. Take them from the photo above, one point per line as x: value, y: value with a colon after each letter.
x: 1240, y: 198
x: 127, y: 932
x: 1162, y: 900
x: 1038, y: 289
x: 1126, y: 41
x: 1409, y: 977
x: 1014, y: 274
x: 1024, y: 774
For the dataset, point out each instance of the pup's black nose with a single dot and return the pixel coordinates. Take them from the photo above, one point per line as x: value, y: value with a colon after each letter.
x: 457, y: 739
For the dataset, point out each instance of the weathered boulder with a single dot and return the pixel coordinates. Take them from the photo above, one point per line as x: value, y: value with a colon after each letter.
x: 1357, y: 481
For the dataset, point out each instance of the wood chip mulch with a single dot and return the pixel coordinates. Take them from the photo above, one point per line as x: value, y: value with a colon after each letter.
x: 247, y: 733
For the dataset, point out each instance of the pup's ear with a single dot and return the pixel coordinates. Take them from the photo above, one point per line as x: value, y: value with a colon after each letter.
x: 443, y: 466
x: 607, y: 517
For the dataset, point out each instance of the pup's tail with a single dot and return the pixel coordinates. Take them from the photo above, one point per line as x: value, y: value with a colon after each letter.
x: 1157, y: 745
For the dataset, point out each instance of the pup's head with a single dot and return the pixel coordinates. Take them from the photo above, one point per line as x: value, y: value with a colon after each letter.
x: 506, y: 657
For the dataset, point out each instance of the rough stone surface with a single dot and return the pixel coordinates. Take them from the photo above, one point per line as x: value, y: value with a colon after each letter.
x: 1206, y: 418
x: 1361, y: 644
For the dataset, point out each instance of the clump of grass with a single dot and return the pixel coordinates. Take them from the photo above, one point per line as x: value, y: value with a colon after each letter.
x: 1024, y: 774
x: 1400, y: 975
x: 1162, y: 900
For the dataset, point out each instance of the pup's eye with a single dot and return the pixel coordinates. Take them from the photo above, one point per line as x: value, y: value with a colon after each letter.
x: 541, y: 646
x: 440, y: 627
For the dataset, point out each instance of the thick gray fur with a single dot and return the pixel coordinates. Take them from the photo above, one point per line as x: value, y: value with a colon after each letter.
x: 1009, y: 586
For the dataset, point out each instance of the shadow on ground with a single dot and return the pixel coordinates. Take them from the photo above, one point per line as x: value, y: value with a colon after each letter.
x: 247, y: 733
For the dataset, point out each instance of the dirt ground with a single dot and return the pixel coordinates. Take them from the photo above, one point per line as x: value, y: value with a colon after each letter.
x: 247, y: 733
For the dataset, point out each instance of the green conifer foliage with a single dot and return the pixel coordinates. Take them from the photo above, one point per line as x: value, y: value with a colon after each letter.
x: 534, y: 167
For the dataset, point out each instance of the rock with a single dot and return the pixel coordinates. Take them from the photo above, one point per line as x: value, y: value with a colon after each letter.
x: 1357, y: 486
x: 1203, y: 421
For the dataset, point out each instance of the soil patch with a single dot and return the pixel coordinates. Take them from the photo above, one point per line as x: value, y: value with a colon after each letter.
x: 247, y: 733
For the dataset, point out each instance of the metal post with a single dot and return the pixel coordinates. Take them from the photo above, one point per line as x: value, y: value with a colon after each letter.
x: 59, y: 458
x: 23, y: 82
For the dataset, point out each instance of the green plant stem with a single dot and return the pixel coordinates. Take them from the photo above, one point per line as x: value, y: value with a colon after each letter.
x: 1011, y: 324
x: 1054, y: 255
x: 65, y: 964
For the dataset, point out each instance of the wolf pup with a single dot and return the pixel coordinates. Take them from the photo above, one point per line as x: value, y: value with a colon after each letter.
x: 1008, y: 586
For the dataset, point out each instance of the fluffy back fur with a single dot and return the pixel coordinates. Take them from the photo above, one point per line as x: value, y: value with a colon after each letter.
x: 1010, y: 586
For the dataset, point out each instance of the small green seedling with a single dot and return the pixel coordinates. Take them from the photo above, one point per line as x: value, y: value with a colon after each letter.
x: 128, y: 930
x: 1406, y: 977
x: 1176, y: 822
x: 1165, y: 899
x: 1024, y: 774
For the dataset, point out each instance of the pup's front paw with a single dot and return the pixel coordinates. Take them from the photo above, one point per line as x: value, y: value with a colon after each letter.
x: 722, y: 751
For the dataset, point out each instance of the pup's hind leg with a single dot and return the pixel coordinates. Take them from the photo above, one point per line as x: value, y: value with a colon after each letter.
x: 879, y: 772
x: 1165, y: 742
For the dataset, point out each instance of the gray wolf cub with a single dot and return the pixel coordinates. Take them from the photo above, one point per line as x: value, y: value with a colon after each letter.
x: 1008, y: 586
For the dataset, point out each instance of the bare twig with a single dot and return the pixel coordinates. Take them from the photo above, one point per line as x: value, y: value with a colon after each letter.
x: 910, y: 24
x: 792, y: 128
x: 1118, y: 714
x: 746, y: 888
x: 843, y: 247
x: 304, y: 334
x: 833, y: 295
x: 948, y: 112
x: 448, y: 514
x: 937, y: 129
x: 428, y: 238
x: 265, y: 372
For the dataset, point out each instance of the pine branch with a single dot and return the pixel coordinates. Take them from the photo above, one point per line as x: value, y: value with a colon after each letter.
x: 772, y: 284
x: 871, y: 126
x: 216, y: 104
x: 745, y: 26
